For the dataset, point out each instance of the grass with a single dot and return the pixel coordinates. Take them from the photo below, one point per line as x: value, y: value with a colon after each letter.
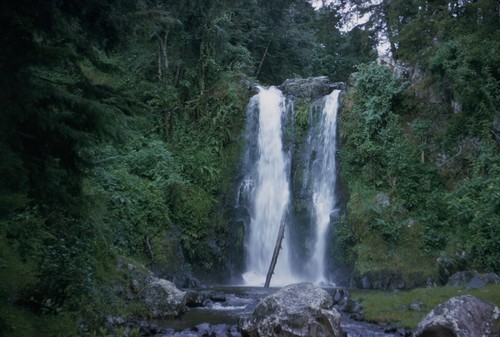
x: 394, y: 307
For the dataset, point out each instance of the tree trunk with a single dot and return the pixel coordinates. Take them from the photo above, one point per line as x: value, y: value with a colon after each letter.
x: 160, y: 77
x: 147, y: 243
x: 164, y: 50
x: 162, y: 54
x: 277, y: 247
x: 262, y: 60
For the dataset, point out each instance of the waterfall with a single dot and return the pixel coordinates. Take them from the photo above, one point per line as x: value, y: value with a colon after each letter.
x: 265, y: 190
x: 322, y: 173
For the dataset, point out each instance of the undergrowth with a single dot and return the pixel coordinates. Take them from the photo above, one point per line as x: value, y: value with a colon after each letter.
x: 394, y: 307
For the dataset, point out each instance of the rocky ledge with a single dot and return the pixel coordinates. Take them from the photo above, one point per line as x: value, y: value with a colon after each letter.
x: 310, y: 88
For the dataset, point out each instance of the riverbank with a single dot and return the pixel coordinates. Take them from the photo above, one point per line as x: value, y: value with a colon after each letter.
x: 219, y: 310
x: 405, y: 309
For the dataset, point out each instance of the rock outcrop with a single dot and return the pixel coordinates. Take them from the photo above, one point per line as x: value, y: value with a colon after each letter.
x: 309, y: 88
x: 163, y: 299
x: 301, y: 309
x: 472, y: 279
x: 388, y: 279
x: 461, y: 316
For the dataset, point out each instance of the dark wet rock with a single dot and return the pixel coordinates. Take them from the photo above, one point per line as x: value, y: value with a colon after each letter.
x: 449, y: 265
x: 184, y: 281
x: 340, y: 296
x: 390, y: 280
x: 205, y: 330
x: 390, y: 329
x: 379, y: 279
x: 472, y: 279
x: 163, y: 299
x: 218, y: 297
x: 147, y: 329
x: 302, y: 309
x: 461, y: 316
x: 222, y: 330
x: 342, y: 301
x: 309, y: 88
x: 203, y: 298
x: 234, y: 331
x: 185, y: 333
x: 197, y: 298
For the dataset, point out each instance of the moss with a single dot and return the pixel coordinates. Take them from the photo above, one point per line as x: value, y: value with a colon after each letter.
x: 301, y: 114
x: 394, y: 307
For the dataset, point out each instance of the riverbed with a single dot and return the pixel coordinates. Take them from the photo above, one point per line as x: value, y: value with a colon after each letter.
x: 220, y: 314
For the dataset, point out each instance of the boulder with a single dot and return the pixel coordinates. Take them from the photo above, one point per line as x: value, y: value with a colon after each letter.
x: 203, y: 297
x: 472, y: 279
x: 461, y: 316
x: 309, y: 88
x: 342, y: 301
x: 302, y: 309
x: 163, y: 299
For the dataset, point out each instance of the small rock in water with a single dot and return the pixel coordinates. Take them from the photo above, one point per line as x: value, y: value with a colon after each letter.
x: 203, y: 329
x: 218, y: 298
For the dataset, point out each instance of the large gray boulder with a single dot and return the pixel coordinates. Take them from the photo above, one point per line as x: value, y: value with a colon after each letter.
x: 163, y: 299
x: 461, y: 316
x: 302, y: 309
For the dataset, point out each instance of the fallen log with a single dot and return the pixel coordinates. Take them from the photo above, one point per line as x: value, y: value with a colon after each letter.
x: 277, y: 247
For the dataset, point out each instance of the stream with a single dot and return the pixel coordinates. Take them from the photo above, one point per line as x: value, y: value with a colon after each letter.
x: 220, y: 316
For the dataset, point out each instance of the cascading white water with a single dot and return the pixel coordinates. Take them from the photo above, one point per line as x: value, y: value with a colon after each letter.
x: 323, y: 143
x: 265, y: 188
x: 264, y: 193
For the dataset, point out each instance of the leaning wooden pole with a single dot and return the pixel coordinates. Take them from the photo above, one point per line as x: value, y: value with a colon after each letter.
x: 277, y: 247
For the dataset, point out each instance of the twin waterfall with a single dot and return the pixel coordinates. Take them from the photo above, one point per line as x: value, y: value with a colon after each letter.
x: 267, y: 195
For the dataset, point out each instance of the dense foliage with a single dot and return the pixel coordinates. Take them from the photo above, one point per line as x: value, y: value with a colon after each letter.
x: 120, y: 135
x: 421, y: 151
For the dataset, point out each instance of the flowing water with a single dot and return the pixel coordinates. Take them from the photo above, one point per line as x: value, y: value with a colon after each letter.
x: 265, y: 190
x: 322, y: 171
